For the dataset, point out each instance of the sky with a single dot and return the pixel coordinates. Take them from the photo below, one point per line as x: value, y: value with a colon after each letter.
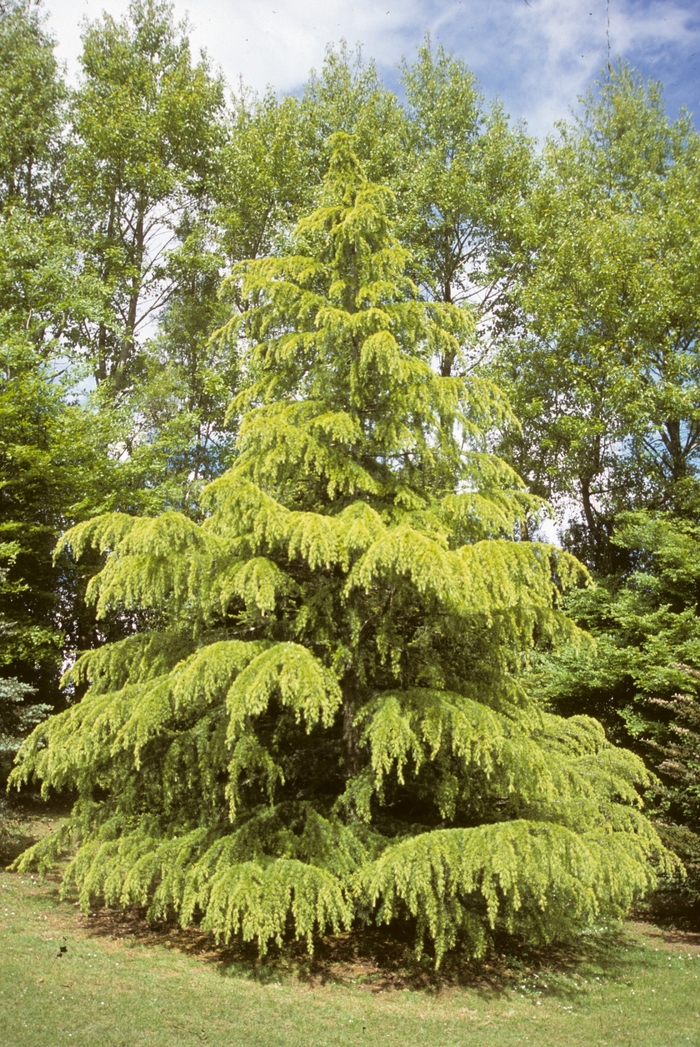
x: 536, y: 56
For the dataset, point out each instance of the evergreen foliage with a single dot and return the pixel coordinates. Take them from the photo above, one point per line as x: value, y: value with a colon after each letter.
x: 321, y: 719
x: 641, y: 680
x: 17, y: 715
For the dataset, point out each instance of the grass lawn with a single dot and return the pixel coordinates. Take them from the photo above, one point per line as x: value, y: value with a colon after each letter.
x: 105, y: 981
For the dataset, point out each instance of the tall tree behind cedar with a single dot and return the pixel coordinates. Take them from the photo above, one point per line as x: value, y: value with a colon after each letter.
x: 606, y: 382
x: 38, y: 289
x: 268, y: 175
x: 321, y: 718
x: 175, y: 432
x: 53, y: 450
x: 465, y: 177
x: 348, y: 96
x: 146, y: 124
x: 31, y: 102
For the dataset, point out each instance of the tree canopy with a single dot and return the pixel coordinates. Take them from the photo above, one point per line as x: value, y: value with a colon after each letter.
x: 605, y: 374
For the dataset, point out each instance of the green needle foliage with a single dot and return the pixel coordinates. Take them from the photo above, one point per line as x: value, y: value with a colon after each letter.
x: 319, y: 717
x: 643, y: 680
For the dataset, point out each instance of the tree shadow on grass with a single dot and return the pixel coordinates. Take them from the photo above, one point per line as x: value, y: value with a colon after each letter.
x: 384, y: 960
x: 377, y: 960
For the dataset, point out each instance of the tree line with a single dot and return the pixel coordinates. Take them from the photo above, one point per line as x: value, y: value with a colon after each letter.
x: 296, y: 382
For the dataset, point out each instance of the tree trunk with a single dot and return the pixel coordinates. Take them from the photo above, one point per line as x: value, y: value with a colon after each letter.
x: 102, y: 370
x: 128, y: 342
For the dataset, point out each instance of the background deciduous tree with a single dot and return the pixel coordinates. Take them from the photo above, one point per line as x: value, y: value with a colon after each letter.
x: 145, y: 127
x: 32, y: 95
x: 605, y: 377
x: 466, y: 176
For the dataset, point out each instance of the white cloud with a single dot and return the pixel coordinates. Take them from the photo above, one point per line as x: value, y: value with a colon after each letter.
x: 265, y: 41
x: 278, y: 41
x: 537, y: 55
x: 540, y: 55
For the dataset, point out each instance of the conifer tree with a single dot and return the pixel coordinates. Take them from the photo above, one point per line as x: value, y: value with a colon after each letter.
x: 319, y: 719
x: 643, y: 678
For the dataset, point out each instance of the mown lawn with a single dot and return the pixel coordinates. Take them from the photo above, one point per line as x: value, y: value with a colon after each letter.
x: 68, y: 981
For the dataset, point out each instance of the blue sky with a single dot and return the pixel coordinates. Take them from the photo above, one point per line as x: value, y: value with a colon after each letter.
x: 537, y: 56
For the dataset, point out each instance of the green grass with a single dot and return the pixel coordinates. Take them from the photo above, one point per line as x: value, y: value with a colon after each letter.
x: 119, y: 984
